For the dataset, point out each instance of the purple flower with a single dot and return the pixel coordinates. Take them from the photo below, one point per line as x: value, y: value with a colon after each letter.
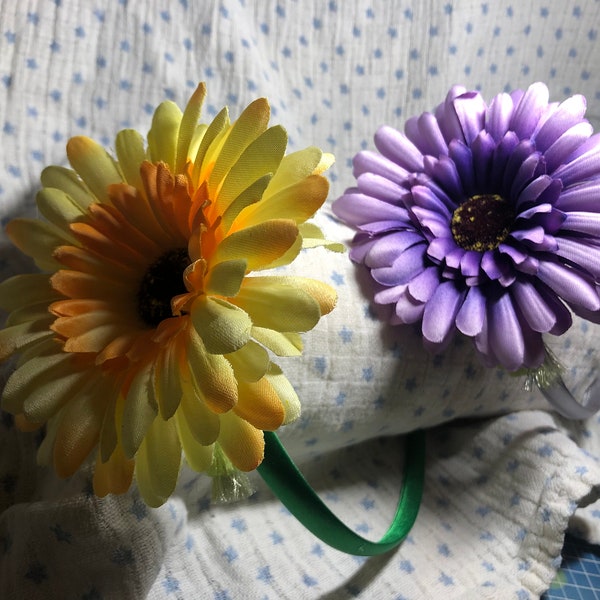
x: 483, y: 218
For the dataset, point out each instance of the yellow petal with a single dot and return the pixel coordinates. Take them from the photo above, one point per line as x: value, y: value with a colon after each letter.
x: 167, y: 380
x: 16, y: 337
x: 129, y: 145
x: 27, y: 288
x: 312, y: 237
x: 79, y: 428
x: 40, y: 386
x: 250, y: 362
x: 243, y: 444
x: 250, y: 124
x: 260, y: 245
x: 114, y: 475
x: 211, y: 138
x: 66, y: 180
x: 27, y: 313
x: 199, y: 457
x: 139, y: 411
x: 189, y: 120
x: 327, y: 160
x: 212, y: 375
x: 225, y: 278
x: 281, y: 343
x: 253, y: 193
x: 297, y: 202
x: 260, y: 158
x: 294, y: 167
x: 109, y: 434
x: 202, y: 423
x: 285, y: 390
x: 38, y: 240
x: 94, y: 165
x: 323, y: 293
x: 44, y: 454
x: 222, y: 326
x: 158, y: 461
x: 59, y: 208
x: 259, y: 404
x: 279, y: 306
x: 162, y: 137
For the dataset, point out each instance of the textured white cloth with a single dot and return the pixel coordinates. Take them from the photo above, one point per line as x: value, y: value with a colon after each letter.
x: 501, y: 486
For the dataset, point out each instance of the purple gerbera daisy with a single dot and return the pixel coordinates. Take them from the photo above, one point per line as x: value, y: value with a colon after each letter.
x: 483, y: 218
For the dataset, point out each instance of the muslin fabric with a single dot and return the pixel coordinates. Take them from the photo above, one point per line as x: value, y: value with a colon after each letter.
x: 504, y: 477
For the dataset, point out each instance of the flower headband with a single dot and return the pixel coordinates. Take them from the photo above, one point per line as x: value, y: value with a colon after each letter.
x: 150, y: 333
x: 485, y: 219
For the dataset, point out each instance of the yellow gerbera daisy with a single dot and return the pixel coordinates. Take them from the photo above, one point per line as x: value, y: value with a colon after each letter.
x: 149, y: 332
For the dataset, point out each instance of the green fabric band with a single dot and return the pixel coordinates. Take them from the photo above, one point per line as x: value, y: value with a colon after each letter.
x: 288, y: 484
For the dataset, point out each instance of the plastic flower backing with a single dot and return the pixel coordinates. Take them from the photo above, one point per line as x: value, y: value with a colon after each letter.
x: 484, y: 219
x: 152, y: 327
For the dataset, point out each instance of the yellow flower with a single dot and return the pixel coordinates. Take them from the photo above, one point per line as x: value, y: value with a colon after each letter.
x: 149, y: 332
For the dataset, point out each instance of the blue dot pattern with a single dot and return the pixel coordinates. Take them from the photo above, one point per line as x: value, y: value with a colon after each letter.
x: 501, y: 486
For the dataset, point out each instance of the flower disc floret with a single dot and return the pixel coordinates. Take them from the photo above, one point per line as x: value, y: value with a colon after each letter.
x: 483, y: 218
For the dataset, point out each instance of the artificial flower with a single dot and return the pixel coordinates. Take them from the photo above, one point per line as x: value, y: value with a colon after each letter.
x: 483, y: 219
x: 150, y: 332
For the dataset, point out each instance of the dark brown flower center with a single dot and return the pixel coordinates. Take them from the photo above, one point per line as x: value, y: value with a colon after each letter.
x: 482, y: 223
x: 162, y: 281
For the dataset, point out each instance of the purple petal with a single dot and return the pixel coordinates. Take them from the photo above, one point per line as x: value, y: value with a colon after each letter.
x: 533, y: 166
x: 544, y: 215
x: 589, y: 145
x: 566, y: 144
x: 397, y: 147
x: 470, y: 263
x: 409, y: 264
x: 503, y: 152
x: 430, y: 135
x: 505, y: 333
x: 372, y: 162
x: 454, y: 257
x: 583, y: 222
x: 483, y: 148
x: 517, y: 255
x: 408, y: 310
x: 584, y: 166
x: 355, y: 209
x: 439, y: 247
x: 422, y: 287
x: 387, y: 248
x: 424, y: 197
x: 431, y: 222
x: 569, y: 113
x: 537, y: 313
x: 447, y: 117
x: 581, y: 254
x: 531, y: 192
x: 380, y: 187
x: 389, y: 295
x: 491, y: 265
x: 378, y: 227
x: 484, y: 347
x: 361, y: 244
x: 535, y: 350
x: 498, y: 115
x: 580, y: 197
x: 471, y: 316
x: 517, y: 156
x: 569, y: 285
x: 533, y: 235
x: 470, y: 109
x: 462, y: 157
x: 528, y: 111
x: 440, y: 313
x: 445, y: 174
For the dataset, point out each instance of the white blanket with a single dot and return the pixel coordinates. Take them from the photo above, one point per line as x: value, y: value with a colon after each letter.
x: 504, y: 477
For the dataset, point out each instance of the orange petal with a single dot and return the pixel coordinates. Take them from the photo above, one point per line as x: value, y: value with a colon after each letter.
x: 259, y: 404
x: 113, y: 476
x: 243, y: 444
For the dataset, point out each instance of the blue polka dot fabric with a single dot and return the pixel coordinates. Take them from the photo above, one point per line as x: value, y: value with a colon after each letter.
x: 505, y: 477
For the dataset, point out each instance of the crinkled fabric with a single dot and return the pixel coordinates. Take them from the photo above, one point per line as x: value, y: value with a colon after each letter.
x: 505, y: 477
